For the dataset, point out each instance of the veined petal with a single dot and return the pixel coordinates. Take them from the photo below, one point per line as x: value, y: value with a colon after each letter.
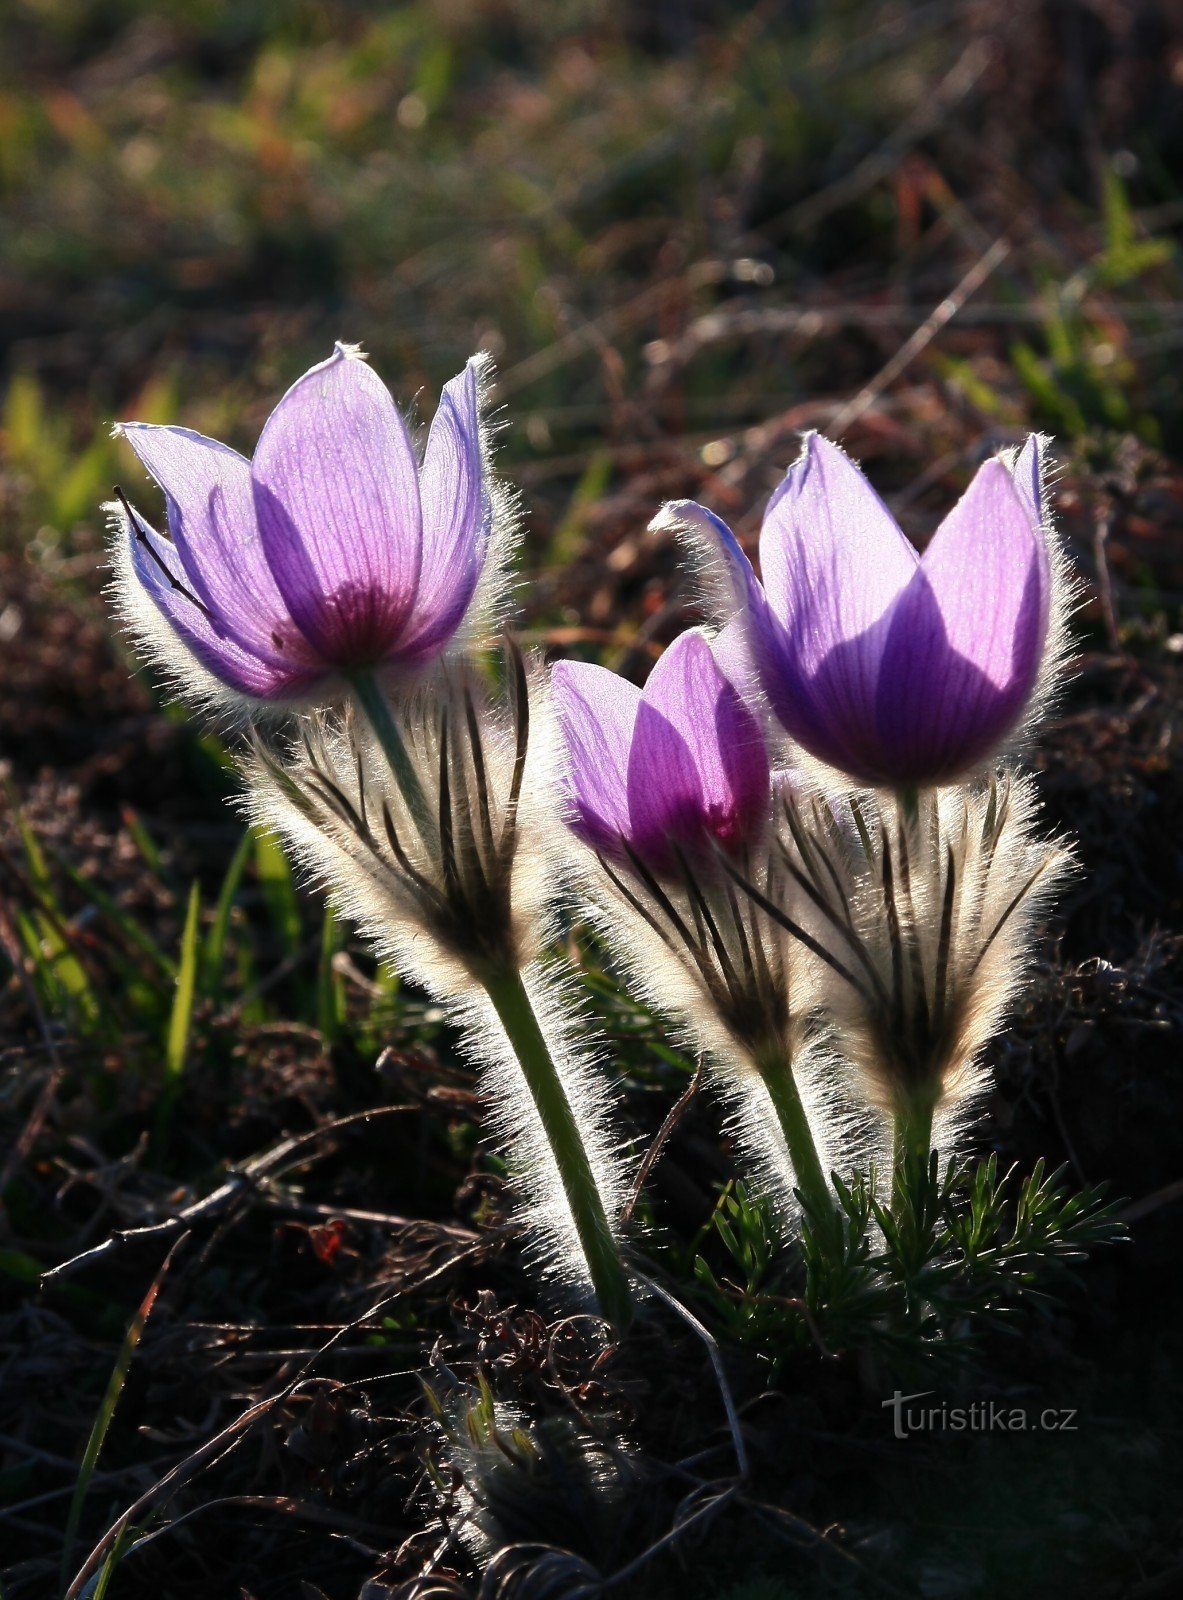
x: 156, y: 564
x: 211, y: 516
x: 698, y: 764
x: 1027, y: 472
x: 832, y: 555
x: 336, y: 489
x: 716, y: 546
x: 750, y: 635
x: 834, y: 563
x: 597, y: 712
x: 965, y: 643
x: 457, y: 517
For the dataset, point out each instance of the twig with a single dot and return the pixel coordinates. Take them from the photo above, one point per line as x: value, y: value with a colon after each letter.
x: 673, y: 1117
x: 716, y: 1359
x: 231, y: 1436
x: 957, y: 84
x: 708, y: 1509
x: 240, y: 1181
x: 922, y: 337
x: 1105, y: 581
x: 1150, y: 1203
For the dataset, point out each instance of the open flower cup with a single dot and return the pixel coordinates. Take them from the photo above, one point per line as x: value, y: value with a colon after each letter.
x: 914, y: 677
x: 897, y: 670
x: 333, y: 552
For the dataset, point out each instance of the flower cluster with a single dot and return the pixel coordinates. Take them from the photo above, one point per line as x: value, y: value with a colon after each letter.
x: 808, y: 835
x: 894, y: 848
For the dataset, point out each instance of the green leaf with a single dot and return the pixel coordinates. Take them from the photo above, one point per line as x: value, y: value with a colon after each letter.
x: 279, y: 890
x: 330, y: 991
x: 106, y: 1412
x: 177, y: 1043
x: 214, y: 953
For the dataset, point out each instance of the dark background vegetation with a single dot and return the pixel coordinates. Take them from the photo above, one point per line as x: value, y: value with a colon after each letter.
x: 685, y: 231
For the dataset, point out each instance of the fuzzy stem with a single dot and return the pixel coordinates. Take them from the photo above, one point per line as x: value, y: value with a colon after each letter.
x: 377, y: 712
x: 507, y: 992
x: 782, y: 1088
x: 912, y: 1142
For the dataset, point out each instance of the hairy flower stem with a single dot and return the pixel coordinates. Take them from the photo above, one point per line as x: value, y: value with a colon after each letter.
x: 377, y: 712
x: 798, y: 1135
x: 507, y: 992
x: 912, y: 1143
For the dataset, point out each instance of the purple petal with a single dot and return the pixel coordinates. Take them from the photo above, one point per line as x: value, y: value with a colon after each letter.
x: 211, y: 516
x: 337, y: 493
x: 597, y: 713
x: 965, y: 643
x: 457, y: 515
x: 834, y: 563
x: 698, y: 764
x: 750, y: 633
x: 714, y: 541
x: 1027, y: 472
x: 158, y: 567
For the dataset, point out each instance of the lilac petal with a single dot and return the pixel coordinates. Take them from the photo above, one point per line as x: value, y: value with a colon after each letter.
x: 965, y: 643
x: 457, y: 516
x: 337, y: 493
x: 211, y: 516
x: 698, y: 764
x: 750, y: 636
x: 834, y: 563
x: 1027, y: 472
x: 714, y: 541
x: 597, y: 713
x: 157, y: 565
x: 732, y: 650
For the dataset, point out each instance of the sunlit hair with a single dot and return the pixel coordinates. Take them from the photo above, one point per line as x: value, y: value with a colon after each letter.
x: 927, y: 918
x: 741, y: 990
x: 479, y: 896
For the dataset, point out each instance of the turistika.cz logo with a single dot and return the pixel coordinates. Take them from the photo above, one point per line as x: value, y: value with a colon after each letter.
x: 982, y: 1416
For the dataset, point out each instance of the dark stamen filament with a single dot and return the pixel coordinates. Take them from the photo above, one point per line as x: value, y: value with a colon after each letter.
x: 142, y: 537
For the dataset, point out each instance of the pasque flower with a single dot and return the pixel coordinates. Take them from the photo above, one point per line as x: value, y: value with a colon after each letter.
x: 678, y: 766
x: 334, y: 551
x: 468, y: 914
x: 899, y: 670
x: 670, y: 789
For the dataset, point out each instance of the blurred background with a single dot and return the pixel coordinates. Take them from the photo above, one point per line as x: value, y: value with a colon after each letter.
x: 685, y: 231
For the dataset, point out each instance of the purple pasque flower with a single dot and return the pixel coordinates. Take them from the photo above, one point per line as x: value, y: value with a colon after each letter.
x: 901, y: 670
x: 677, y: 766
x: 334, y: 549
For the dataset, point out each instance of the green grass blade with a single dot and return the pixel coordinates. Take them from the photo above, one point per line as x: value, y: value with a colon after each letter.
x: 214, y: 954
x: 279, y: 890
x: 330, y: 993
x: 143, y: 840
x: 106, y: 1412
x: 176, y: 1042
x: 131, y: 930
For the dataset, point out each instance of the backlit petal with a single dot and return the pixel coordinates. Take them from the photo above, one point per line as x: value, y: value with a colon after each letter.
x: 337, y: 493
x: 457, y: 516
x: 597, y: 713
